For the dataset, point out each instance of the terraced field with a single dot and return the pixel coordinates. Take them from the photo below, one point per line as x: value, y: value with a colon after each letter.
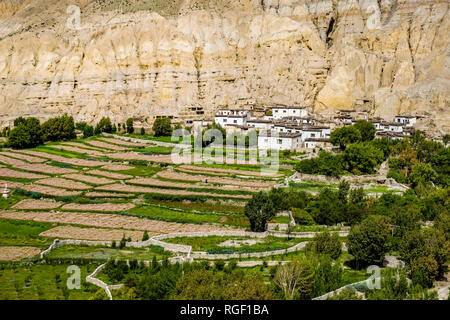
x: 106, y: 188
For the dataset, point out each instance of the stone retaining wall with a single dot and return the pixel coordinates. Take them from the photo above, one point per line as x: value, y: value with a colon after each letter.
x: 185, y: 249
x: 92, y: 279
x: 337, y: 291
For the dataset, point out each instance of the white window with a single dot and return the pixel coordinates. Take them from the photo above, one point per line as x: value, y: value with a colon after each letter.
x: 235, y: 121
x: 280, y: 141
x: 224, y: 120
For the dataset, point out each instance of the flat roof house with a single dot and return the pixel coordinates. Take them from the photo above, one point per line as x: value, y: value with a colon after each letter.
x: 282, y: 111
x: 317, y: 143
x: 408, y: 121
x: 392, y: 126
x: 234, y: 117
x: 389, y: 135
x: 260, y: 124
x: 272, y: 140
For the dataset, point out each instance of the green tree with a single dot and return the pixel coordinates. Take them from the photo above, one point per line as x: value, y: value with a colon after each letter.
x: 425, y: 243
x: 162, y: 127
x: 206, y: 285
x: 302, y: 217
x: 362, y: 157
x: 142, y: 131
x: 145, y: 236
x: 394, y: 286
x: 258, y: 210
x: 88, y: 131
x: 344, y: 136
x: 384, y: 145
x: 422, y: 174
x: 208, y: 137
x: 368, y: 242
x: 130, y: 127
x: 104, y: 125
x: 81, y: 125
x: 424, y: 270
x: 327, y: 275
x: 441, y: 164
x: 366, y: 129
x: 122, y: 242
x: 446, y: 139
x: 59, y: 128
x: 295, y: 279
x: 326, y: 243
x: 27, y: 133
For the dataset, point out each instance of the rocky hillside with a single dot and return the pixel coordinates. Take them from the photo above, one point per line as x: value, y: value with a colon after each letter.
x: 183, y: 58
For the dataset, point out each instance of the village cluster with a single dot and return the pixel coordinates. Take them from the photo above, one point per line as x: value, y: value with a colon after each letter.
x: 284, y: 127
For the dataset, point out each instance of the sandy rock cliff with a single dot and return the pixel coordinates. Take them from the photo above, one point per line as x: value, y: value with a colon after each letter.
x: 142, y: 58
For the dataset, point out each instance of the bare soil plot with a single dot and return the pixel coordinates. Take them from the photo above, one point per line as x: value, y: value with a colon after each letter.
x: 136, y: 189
x: 23, y: 157
x: 108, y: 221
x: 88, y: 178
x: 124, y: 143
x: 232, y: 171
x: 202, y: 172
x: 81, y: 145
x: 106, y: 207
x: 104, y: 145
x: 108, y: 174
x: 70, y: 232
x: 11, y: 161
x: 137, y: 156
x: 72, y: 161
x: 10, y: 253
x: 44, y: 168
x: 10, y: 184
x: 108, y: 195
x: 117, y: 167
x: 31, y: 204
x: 78, y: 150
x: 64, y: 183
x: 181, y: 185
x: 5, y: 172
x: 50, y: 191
x: 189, y: 177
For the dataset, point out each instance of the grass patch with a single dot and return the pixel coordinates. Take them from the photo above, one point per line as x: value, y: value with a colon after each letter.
x: 23, y: 233
x: 105, y: 253
x: 211, y: 244
x: 43, y: 282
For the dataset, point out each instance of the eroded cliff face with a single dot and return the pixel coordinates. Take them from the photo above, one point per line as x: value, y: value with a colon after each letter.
x: 185, y: 58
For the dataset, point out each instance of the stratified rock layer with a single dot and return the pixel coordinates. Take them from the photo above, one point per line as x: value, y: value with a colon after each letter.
x: 185, y: 58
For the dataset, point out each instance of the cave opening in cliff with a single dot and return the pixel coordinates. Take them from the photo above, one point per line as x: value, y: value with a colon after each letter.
x: 330, y: 30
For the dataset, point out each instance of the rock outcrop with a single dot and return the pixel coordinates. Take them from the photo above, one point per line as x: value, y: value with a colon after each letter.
x: 142, y: 59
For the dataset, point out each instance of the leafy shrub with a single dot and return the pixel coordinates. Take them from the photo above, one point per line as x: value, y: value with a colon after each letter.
x: 59, y: 128
x: 27, y: 133
x: 162, y: 127
x: 326, y: 243
x: 302, y: 217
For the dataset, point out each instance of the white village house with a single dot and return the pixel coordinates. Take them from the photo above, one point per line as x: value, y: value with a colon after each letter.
x: 408, y: 121
x: 282, y: 111
x: 226, y: 117
x: 260, y: 124
x: 272, y: 140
